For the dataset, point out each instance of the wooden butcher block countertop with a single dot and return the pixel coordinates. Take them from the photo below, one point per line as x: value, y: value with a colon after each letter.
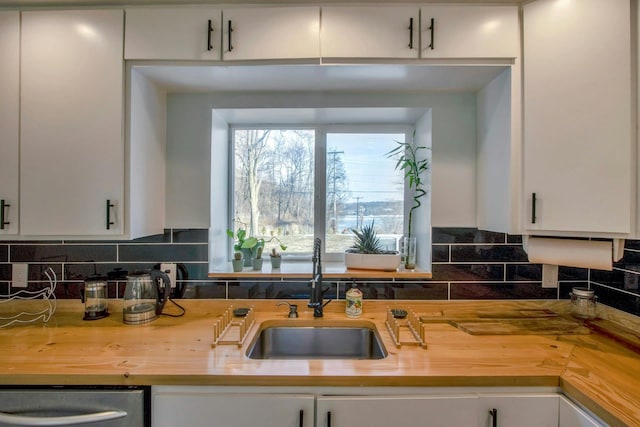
x: 600, y: 372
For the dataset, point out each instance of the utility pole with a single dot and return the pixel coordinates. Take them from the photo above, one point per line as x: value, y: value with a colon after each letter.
x: 334, y: 179
x: 358, y: 212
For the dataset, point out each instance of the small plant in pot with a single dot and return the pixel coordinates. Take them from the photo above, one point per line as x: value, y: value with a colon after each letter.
x: 367, y: 253
x: 276, y: 258
x: 237, y: 261
x: 256, y: 262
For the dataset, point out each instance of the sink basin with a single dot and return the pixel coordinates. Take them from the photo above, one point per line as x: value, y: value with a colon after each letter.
x: 300, y: 340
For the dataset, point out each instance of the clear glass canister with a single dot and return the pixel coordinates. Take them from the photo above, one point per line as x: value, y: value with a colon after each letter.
x: 583, y: 303
x: 354, y: 303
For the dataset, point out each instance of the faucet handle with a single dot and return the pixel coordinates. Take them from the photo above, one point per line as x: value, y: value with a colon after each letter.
x: 293, y: 309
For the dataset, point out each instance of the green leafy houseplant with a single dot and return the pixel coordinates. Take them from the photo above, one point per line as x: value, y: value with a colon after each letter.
x: 413, y: 165
x: 250, y: 246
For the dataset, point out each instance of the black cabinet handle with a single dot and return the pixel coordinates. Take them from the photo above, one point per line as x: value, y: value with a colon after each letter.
x: 301, y: 424
x: 533, y: 208
x: 3, y: 205
x: 109, y: 222
x: 432, y: 30
x: 411, y: 33
x: 494, y: 417
x: 229, y: 31
x: 328, y: 419
x: 209, y: 31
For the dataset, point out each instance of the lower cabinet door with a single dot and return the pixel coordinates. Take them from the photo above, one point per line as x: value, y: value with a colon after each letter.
x: 572, y: 416
x: 390, y: 411
x: 200, y: 408
x: 518, y: 410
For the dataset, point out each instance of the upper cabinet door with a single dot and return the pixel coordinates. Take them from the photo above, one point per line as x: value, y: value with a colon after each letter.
x: 9, y: 120
x: 270, y: 33
x: 72, y: 145
x: 462, y: 31
x: 370, y: 32
x: 577, y: 116
x: 185, y: 33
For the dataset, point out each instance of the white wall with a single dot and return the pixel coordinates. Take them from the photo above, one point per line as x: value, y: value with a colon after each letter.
x: 188, y: 162
x: 494, y: 154
x: 422, y: 215
x: 220, y: 164
x: 148, y: 152
x: 189, y: 146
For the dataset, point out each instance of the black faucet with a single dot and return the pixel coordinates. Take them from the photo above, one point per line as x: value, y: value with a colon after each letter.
x: 315, y: 300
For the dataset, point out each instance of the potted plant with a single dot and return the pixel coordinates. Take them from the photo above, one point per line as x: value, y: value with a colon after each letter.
x: 237, y: 261
x: 256, y: 261
x: 276, y: 258
x: 367, y: 253
x: 249, y: 245
x: 413, y: 165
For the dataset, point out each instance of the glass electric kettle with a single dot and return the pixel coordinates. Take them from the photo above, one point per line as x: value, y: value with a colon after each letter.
x: 144, y: 296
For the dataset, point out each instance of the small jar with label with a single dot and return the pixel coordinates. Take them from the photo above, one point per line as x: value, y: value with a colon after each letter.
x: 583, y: 303
x: 354, y: 303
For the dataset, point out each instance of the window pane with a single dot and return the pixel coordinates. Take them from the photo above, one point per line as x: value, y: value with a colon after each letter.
x: 273, y: 186
x: 363, y: 186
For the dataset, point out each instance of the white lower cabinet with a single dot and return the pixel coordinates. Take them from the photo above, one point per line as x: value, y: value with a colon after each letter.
x: 196, y: 406
x: 385, y: 411
x: 518, y: 410
x: 573, y: 416
x: 202, y: 407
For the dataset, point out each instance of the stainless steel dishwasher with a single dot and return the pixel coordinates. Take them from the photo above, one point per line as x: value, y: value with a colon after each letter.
x: 102, y: 406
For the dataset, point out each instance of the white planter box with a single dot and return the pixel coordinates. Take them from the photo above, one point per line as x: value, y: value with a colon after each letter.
x: 385, y: 262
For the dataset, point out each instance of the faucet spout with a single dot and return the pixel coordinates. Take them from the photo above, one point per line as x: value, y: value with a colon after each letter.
x: 315, y: 299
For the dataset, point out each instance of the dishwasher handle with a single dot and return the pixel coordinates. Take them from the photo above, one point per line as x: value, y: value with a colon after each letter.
x: 96, y: 417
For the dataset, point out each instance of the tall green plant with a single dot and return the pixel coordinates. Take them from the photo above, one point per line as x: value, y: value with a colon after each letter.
x: 413, y: 165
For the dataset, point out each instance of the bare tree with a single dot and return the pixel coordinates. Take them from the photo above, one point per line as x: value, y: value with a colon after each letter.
x: 251, y: 155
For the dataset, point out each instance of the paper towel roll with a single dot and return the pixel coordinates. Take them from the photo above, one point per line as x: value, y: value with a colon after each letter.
x: 571, y: 252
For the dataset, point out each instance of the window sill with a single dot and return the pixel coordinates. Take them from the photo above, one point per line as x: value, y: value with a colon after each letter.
x: 330, y: 270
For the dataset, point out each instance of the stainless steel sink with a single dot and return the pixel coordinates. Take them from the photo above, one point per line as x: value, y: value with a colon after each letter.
x: 302, y: 340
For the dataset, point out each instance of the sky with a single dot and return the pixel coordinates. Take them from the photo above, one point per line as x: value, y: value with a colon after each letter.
x: 366, y: 165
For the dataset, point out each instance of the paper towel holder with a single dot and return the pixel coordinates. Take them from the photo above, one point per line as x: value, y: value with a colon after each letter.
x: 618, y: 249
x: 617, y: 253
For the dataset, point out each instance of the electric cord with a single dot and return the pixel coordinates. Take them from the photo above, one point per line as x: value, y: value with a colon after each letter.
x: 182, y: 310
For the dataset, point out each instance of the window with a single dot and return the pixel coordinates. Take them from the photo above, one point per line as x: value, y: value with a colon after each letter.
x: 290, y: 185
x: 363, y: 187
x: 273, y: 185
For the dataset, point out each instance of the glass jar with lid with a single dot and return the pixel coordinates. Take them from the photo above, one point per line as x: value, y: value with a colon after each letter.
x: 583, y: 303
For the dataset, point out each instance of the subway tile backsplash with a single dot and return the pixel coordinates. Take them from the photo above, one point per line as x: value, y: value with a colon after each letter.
x: 467, y: 264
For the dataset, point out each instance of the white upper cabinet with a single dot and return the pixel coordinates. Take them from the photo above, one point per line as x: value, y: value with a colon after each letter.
x: 270, y: 33
x: 577, y: 117
x: 464, y: 31
x: 71, y: 123
x: 9, y: 120
x: 180, y: 33
x: 370, y: 32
